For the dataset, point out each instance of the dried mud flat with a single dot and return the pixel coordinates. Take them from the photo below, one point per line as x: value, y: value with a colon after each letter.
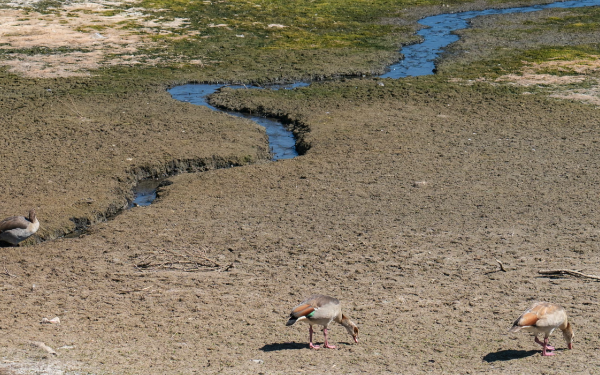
x: 202, y: 280
x: 408, y: 194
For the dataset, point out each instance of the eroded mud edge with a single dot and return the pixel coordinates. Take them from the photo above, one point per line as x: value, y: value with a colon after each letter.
x: 137, y: 174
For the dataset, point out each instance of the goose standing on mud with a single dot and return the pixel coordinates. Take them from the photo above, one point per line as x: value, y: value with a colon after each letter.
x: 545, y: 317
x: 322, y: 310
x: 15, y: 229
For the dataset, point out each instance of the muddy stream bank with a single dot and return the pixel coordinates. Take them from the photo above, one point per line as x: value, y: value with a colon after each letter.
x: 418, y: 59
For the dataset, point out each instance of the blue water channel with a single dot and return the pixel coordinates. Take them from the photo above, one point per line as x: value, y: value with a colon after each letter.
x: 281, y: 141
x: 419, y: 59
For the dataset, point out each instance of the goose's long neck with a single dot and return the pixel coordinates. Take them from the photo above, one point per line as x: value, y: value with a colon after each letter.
x: 350, y: 327
x: 32, y: 216
x: 568, y: 335
x: 345, y: 321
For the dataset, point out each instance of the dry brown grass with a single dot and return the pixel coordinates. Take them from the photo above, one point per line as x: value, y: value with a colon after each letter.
x: 583, y: 68
x: 101, y: 38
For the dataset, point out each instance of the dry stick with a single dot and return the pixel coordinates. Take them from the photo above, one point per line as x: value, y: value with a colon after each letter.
x: 172, y: 264
x: 568, y: 272
x: 6, y: 271
x: 125, y: 291
x: 184, y: 269
x: 43, y: 346
x: 145, y: 263
x: 203, y: 257
x: 210, y: 260
x: 74, y: 109
x: 191, y: 256
x: 226, y: 268
x: 501, y: 265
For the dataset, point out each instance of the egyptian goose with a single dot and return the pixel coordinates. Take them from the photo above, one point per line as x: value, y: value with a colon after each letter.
x: 545, y: 317
x: 15, y: 229
x: 322, y: 310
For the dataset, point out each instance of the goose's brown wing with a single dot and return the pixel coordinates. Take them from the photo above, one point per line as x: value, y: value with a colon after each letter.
x: 13, y: 222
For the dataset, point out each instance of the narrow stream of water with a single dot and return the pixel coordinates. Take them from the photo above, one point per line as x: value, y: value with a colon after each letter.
x: 281, y: 140
x: 419, y: 59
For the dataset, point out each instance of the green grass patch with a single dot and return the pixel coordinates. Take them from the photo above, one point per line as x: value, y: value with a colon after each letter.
x: 352, y: 23
x: 368, y: 89
x: 128, y: 25
x: 564, y: 53
x: 111, y: 13
x: 307, y: 25
x: 47, y: 6
x: 581, y: 19
x: 88, y: 28
x: 42, y: 51
x: 513, y: 62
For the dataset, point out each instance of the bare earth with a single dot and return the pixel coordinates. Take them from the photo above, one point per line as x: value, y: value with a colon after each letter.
x: 400, y: 208
x: 202, y: 281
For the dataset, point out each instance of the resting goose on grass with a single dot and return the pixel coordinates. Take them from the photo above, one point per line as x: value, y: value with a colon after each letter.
x: 545, y: 317
x: 322, y: 310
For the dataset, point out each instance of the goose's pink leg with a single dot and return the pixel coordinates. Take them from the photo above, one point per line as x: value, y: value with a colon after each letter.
x: 545, y: 347
x: 310, y: 333
x: 548, y: 347
x: 326, y: 344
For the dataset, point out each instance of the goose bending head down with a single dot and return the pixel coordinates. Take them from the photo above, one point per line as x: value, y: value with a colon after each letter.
x: 545, y: 317
x: 322, y: 310
x: 15, y: 229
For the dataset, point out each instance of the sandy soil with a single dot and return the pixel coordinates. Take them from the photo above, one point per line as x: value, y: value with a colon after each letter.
x: 202, y: 281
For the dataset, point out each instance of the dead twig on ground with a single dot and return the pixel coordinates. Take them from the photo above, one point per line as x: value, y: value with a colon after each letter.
x: 499, y: 269
x: 171, y: 264
x: 568, y: 272
x: 72, y: 108
x: 182, y: 260
x: 204, y: 257
x: 212, y: 261
x: 501, y: 265
x: 226, y: 268
x: 125, y: 291
x: 43, y: 346
x: 6, y: 271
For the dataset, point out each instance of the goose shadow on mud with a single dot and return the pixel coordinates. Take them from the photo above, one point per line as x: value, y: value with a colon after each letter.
x: 291, y: 345
x: 283, y: 346
x: 509, y: 355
